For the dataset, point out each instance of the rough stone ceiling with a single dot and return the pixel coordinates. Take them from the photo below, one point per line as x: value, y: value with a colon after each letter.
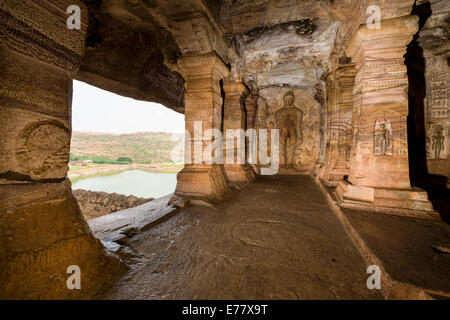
x: 129, y: 53
x: 287, y: 42
x: 133, y: 45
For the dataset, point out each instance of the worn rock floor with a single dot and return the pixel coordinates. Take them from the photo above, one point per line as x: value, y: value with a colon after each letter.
x: 276, y: 239
x: 407, y: 247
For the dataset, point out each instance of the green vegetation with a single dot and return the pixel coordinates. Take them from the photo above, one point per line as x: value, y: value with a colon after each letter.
x: 140, y: 148
x: 85, y: 167
x: 101, y: 160
x: 124, y: 160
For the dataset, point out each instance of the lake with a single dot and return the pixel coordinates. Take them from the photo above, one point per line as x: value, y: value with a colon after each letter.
x: 138, y: 183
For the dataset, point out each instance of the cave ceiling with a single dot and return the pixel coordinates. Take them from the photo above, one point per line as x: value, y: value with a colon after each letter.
x: 132, y: 46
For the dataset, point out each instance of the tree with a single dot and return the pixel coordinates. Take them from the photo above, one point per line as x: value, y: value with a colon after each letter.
x: 124, y: 160
x: 73, y: 157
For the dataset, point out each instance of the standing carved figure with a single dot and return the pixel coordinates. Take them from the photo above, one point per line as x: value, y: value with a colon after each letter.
x: 289, y: 121
x: 437, y: 139
x: 383, y: 138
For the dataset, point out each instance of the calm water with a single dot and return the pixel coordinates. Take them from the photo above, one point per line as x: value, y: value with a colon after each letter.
x: 131, y: 182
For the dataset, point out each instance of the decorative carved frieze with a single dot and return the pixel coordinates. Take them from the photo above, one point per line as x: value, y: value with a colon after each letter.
x: 379, y: 166
x: 40, y: 31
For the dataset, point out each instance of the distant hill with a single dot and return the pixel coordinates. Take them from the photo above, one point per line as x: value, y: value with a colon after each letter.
x: 145, y: 147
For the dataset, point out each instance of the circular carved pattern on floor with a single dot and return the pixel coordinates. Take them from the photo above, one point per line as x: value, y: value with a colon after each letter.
x: 259, y: 233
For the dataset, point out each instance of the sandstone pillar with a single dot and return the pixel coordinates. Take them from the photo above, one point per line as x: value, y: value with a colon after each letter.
x: 43, y: 231
x: 332, y: 133
x: 437, y: 77
x: 251, y: 106
x: 235, y: 119
x: 345, y: 77
x: 379, y: 169
x: 203, y: 109
x: 339, y: 125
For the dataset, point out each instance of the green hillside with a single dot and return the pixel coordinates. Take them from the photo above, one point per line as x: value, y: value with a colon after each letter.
x: 146, y: 147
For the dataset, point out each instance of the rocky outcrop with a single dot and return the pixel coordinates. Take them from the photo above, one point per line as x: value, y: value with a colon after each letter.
x: 43, y: 231
x: 96, y: 204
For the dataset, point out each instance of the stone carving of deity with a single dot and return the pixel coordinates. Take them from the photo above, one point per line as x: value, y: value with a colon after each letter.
x: 289, y: 122
x: 383, y: 138
x: 437, y: 141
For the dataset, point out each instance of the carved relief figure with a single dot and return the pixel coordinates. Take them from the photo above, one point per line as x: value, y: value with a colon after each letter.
x: 289, y: 121
x: 437, y: 140
x: 383, y: 138
x: 44, y: 148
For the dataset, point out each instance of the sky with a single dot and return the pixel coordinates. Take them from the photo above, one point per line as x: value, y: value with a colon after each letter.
x: 96, y: 110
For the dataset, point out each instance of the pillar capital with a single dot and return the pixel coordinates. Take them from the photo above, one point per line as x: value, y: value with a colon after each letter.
x: 251, y: 102
x: 432, y: 36
x: 205, y: 65
x: 345, y: 75
x: 235, y: 88
x: 388, y: 42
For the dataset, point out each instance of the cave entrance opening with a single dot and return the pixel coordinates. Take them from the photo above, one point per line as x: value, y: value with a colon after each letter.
x: 123, y: 152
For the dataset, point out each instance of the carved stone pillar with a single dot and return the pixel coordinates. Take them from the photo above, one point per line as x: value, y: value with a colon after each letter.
x: 436, y: 51
x: 345, y: 79
x: 251, y: 106
x: 203, y: 112
x: 379, y: 170
x: 43, y: 231
x: 339, y: 123
x: 332, y: 132
x: 235, y: 118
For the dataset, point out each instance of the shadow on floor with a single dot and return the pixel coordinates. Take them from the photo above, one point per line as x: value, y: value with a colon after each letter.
x: 438, y: 193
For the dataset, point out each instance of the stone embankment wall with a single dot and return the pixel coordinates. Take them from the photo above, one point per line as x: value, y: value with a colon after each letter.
x: 95, y: 204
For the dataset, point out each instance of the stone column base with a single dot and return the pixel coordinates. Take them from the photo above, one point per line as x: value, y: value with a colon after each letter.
x: 205, y: 182
x: 239, y: 173
x: 404, y: 202
x: 334, y: 179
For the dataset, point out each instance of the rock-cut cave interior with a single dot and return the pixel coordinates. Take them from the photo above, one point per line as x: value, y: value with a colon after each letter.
x: 356, y: 90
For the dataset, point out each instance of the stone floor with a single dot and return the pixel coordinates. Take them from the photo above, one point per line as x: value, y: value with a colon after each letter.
x: 413, y: 251
x: 277, y: 239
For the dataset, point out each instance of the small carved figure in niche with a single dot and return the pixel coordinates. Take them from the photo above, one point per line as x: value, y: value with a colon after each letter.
x: 289, y: 121
x: 383, y: 138
x: 437, y: 141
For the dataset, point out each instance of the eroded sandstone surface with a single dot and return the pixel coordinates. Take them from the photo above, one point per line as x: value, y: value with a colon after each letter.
x: 358, y: 89
x: 276, y: 240
x: 95, y: 204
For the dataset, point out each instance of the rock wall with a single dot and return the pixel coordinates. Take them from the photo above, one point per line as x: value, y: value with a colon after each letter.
x: 434, y: 40
x: 96, y: 204
x: 43, y: 231
x: 306, y: 147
